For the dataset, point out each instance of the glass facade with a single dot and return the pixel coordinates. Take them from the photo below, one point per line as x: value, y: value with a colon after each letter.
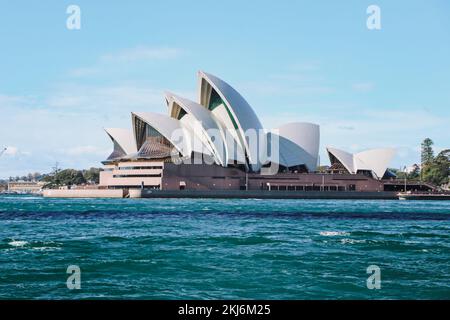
x: 139, y: 129
x: 216, y: 101
x: 155, y: 146
x: 181, y: 114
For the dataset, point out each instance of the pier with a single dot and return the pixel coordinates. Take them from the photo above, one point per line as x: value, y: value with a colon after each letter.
x: 424, y: 196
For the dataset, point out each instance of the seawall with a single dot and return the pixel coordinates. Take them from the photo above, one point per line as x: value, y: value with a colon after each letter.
x: 84, y: 193
x: 219, y: 194
x: 265, y: 194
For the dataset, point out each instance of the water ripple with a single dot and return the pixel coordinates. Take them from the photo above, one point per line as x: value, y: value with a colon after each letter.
x: 228, y: 249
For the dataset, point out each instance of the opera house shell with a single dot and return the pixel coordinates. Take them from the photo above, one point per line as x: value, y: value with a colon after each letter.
x: 217, y: 127
x: 222, y: 136
x: 374, y: 162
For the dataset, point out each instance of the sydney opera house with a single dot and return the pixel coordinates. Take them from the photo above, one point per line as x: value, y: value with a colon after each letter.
x: 218, y: 143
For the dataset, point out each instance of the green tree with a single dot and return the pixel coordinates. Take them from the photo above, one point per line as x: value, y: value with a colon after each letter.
x: 92, y: 175
x: 67, y: 177
x: 438, y: 170
x: 70, y: 177
x: 415, y: 172
x: 427, y: 154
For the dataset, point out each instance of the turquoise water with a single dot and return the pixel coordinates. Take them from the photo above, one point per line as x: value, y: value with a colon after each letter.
x: 224, y: 249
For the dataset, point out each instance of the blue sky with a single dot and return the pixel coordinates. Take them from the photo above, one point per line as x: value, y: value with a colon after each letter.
x: 312, y: 61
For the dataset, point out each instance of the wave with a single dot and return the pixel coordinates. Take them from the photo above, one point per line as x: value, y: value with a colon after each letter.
x: 46, y: 248
x: 18, y: 243
x: 333, y: 233
x: 352, y: 241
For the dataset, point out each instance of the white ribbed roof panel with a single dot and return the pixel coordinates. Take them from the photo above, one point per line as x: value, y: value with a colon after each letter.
x: 374, y: 160
x: 205, y: 122
x: 306, y: 136
x: 344, y: 157
x: 239, y: 111
x: 124, y: 138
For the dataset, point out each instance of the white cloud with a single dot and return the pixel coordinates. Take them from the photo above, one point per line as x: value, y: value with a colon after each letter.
x: 109, y: 99
x: 15, y: 152
x: 8, y: 101
x: 356, y: 128
x: 66, y: 125
x: 11, y: 151
x: 85, y: 150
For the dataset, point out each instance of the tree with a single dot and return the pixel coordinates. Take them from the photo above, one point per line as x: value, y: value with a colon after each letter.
x: 56, y: 168
x: 70, y: 177
x: 92, y: 175
x: 427, y: 154
x: 415, y: 172
x: 66, y: 177
x: 403, y: 173
x: 438, y: 170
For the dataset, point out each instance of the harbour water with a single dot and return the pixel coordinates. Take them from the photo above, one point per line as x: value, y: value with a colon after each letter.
x: 223, y: 249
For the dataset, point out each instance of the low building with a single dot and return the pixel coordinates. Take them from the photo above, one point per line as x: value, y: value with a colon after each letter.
x: 133, y: 174
x: 25, y: 187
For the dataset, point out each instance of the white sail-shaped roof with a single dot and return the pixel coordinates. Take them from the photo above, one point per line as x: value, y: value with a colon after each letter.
x: 374, y: 160
x: 202, y: 123
x: 345, y: 158
x: 299, y: 144
x: 232, y: 111
x: 124, y: 138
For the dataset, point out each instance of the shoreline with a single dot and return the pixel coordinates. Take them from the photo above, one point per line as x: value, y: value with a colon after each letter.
x: 265, y: 194
x: 231, y: 194
x: 239, y: 194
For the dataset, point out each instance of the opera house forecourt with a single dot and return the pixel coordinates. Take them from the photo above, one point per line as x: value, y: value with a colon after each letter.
x: 217, y: 146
